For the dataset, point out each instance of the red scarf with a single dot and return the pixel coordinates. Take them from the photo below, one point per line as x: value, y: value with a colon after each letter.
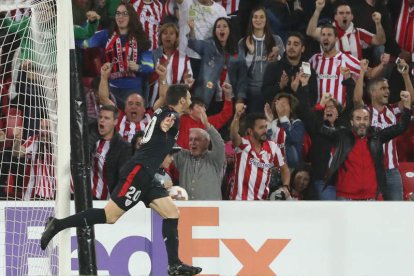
x: 119, y: 58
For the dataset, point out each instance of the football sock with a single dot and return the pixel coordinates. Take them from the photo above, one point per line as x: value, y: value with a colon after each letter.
x: 170, y: 234
x: 88, y: 217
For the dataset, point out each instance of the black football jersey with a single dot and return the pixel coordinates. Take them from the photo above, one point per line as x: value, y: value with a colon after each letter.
x: 156, y: 144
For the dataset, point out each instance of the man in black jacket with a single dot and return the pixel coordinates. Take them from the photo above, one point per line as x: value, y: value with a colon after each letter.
x: 109, y: 152
x: 358, y: 164
x: 283, y: 76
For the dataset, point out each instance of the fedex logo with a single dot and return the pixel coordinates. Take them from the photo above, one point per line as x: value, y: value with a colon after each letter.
x: 116, y: 259
x: 254, y: 262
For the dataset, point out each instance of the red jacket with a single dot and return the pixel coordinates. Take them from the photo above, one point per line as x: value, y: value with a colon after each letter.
x: 217, y: 120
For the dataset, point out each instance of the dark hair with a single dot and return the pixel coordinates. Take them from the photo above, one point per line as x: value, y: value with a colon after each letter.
x: 175, y: 92
x: 135, y: 29
x: 293, y: 102
x: 360, y: 107
x: 342, y: 3
x: 330, y: 26
x: 298, y: 35
x: 337, y: 104
x: 196, y: 100
x: 301, y: 167
x: 231, y: 43
x: 165, y: 27
x: 112, y: 108
x: 372, y: 84
x: 251, y: 119
x: 138, y: 134
x: 269, y: 41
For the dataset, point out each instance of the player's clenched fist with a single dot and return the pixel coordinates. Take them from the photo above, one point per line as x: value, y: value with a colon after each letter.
x: 167, y: 123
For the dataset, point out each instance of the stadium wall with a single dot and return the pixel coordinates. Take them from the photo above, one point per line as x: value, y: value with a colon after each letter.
x: 244, y: 238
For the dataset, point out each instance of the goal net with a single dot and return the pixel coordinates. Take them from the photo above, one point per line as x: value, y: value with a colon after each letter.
x: 29, y: 127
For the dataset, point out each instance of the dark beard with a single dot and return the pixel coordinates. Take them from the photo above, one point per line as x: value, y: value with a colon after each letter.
x: 260, y: 138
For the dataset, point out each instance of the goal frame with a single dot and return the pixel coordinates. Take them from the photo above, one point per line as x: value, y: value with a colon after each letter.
x: 62, y: 206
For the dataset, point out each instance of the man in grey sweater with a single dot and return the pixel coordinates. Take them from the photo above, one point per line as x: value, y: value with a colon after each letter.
x: 201, y: 170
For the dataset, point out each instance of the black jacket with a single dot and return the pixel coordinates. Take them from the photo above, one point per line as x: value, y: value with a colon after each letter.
x: 271, y: 80
x: 345, y: 141
x: 119, y: 152
x: 320, y: 151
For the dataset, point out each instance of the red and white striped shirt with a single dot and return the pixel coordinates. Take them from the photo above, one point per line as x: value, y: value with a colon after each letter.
x: 150, y: 16
x: 40, y: 169
x: 169, y: 8
x: 98, y: 179
x: 383, y: 119
x: 253, y: 170
x: 353, y: 41
x: 178, y: 66
x: 404, y: 29
x: 231, y: 6
x: 328, y: 70
x: 128, y: 129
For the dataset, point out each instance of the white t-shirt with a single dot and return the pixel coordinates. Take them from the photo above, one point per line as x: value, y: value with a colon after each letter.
x: 204, y: 18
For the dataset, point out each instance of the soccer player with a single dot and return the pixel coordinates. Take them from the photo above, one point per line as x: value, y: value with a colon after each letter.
x: 135, y: 183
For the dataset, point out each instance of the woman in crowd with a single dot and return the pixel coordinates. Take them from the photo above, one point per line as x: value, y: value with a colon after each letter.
x: 126, y: 47
x: 220, y: 63
x: 284, y: 128
x: 258, y: 48
x: 298, y: 189
x: 176, y: 63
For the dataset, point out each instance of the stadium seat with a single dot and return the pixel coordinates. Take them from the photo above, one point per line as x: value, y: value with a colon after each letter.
x: 92, y: 62
x: 407, y: 175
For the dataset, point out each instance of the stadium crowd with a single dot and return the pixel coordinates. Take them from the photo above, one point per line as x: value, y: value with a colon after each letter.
x: 291, y: 99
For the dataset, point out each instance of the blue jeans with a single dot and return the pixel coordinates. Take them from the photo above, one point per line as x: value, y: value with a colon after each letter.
x: 393, y: 186
x: 328, y: 194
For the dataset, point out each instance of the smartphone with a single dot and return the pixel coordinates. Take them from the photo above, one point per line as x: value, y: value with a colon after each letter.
x: 400, y: 67
x: 306, y: 68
